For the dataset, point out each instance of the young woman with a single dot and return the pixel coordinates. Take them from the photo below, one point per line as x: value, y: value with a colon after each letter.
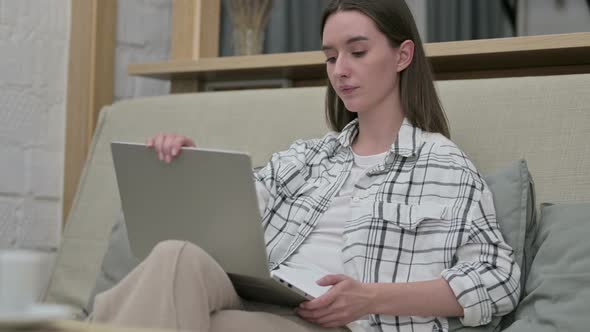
x: 386, y: 206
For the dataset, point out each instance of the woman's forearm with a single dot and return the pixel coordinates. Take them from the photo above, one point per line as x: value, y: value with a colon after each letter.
x: 423, y: 298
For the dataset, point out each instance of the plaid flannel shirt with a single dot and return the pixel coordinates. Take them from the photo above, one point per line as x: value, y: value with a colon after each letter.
x: 423, y: 214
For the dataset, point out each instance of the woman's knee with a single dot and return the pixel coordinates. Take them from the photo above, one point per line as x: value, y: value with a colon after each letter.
x: 183, y: 252
x: 167, y: 249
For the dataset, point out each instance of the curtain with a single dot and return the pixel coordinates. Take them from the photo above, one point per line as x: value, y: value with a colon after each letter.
x: 294, y: 26
x: 449, y: 20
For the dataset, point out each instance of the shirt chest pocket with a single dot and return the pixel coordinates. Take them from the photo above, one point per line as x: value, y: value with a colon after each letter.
x: 412, y: 241
x: 410, y: 216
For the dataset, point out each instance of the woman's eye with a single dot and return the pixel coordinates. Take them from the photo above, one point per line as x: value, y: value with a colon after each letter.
x: 359, y: 54
x: 331, y: 59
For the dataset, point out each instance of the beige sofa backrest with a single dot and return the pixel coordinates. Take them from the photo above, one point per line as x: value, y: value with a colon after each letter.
x: 495, y: 121
x: 545, y: 120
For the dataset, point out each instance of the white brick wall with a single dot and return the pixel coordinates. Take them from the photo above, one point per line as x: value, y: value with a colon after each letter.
x: 143, y: 35
x: 33, y: 64
x: 34, y: 41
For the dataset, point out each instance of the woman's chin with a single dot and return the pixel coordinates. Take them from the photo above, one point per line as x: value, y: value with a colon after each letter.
x: 350, y: 104
x: 353, y: 107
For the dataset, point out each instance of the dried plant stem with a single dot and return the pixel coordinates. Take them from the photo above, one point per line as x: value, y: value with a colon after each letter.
x: 251, y: 14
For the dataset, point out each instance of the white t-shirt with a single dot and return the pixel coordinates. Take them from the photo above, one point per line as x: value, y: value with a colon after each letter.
x: 322, y: 249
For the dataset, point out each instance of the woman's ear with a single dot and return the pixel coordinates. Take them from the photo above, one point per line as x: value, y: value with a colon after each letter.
x: 406, y: 54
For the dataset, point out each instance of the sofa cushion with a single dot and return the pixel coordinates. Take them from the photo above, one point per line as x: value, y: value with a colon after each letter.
x: 556, y: 291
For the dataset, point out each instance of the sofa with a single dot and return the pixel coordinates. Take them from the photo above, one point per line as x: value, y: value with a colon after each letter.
x: 529, y: 136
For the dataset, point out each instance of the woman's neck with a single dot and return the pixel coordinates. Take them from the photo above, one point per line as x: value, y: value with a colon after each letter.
x: 377, y: 130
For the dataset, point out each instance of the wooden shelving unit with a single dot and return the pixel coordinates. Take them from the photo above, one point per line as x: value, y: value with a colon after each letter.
x: 518, y: 56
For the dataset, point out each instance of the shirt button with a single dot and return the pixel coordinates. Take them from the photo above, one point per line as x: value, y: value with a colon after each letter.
x: 356, y: 199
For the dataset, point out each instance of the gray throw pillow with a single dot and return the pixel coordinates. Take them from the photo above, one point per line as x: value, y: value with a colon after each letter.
x: 514, y: 200
x: 556, y: 291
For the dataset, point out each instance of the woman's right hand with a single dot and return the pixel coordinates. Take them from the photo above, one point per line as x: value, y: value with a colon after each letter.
x: 167, y: 146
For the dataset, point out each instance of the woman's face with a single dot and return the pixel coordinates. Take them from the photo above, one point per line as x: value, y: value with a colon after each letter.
x: 361, y: 64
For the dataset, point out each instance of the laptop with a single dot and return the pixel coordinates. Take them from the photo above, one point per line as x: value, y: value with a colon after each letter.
x: 206, y: 197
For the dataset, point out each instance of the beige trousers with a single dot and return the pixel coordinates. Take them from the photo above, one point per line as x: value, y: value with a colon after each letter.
x: 179, y: 286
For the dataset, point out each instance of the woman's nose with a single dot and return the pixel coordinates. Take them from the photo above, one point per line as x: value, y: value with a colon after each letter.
x: 341, y: 69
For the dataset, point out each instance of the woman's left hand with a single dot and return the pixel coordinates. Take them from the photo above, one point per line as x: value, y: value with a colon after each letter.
x: 347, y: 301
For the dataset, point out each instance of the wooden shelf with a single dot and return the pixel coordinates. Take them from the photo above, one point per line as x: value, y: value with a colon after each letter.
x: 297, y: 65
x: 533, y: 55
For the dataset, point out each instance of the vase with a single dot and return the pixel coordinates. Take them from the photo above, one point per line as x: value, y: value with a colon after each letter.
x: 247, y: 41
x: 249, y: 20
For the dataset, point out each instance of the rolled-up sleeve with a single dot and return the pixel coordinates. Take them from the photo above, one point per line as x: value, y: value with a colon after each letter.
x: 485, y: 278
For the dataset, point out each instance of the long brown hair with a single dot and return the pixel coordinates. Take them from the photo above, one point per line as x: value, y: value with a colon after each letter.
x: 418, y: 95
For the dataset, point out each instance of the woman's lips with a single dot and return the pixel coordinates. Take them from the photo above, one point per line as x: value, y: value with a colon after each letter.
x: 347, y: 90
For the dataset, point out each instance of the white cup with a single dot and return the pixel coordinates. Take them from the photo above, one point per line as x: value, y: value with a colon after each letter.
x: 20, y: 272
